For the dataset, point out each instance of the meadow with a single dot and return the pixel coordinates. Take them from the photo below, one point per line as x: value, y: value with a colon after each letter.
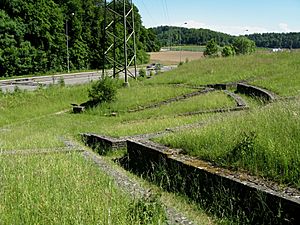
x: 63, y: 189
x: 277, y: 72
x: 263, y: 141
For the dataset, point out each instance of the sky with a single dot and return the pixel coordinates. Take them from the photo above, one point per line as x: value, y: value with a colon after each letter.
x: 235, y: 17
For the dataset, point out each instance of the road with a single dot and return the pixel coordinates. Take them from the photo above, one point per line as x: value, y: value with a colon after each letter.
x: 32, y: 83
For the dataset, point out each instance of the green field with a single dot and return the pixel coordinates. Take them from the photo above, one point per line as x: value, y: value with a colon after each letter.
x: 263, y: 141
x: 269, y: 70
x: 61, y: 189
x: 192, y: 48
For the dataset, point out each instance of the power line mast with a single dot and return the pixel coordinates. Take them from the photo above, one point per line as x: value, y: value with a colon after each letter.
x: 112, y: 41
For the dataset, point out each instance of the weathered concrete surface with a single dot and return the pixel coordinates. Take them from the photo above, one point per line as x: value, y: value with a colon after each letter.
x: 103, y: 144
x: 256, y: 91
x: 200, y: 180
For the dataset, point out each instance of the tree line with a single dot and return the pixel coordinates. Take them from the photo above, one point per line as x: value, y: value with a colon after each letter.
x: 33, y: 35
x: 276, y: 40
x: 170, y: 35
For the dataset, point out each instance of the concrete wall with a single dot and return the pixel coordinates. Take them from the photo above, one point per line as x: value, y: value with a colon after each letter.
x: 199, y: 181
x: 103, y: 144
x: 255, y: 91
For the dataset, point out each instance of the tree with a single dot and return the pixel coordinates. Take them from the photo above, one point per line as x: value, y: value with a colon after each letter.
x: 228, y: 50
x: 33, y: 36
x: 211, y: 48
x: 243, y: 45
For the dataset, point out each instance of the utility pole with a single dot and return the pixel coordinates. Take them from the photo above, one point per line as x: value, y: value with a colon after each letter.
x: 67, y: 37
x: 181, y: 43
x: 113, y: 41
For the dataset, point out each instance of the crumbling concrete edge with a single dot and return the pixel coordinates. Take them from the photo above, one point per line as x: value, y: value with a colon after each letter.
x: 144, y: 155
x: 251, y: 90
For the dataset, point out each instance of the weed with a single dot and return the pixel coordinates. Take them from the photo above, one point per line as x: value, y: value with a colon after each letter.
x: 61, y: 81
x: 148, y: 210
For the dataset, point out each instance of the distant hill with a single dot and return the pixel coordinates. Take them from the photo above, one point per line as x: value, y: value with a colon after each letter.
x: 276, y: 40
x: 171, y: 35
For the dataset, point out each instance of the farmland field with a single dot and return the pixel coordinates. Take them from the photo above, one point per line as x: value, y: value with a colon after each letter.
x: 174, y: 57
x: 192, y: 48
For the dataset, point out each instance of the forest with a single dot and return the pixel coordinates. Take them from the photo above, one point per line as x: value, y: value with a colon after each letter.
x: 276, y: 40
x: 169, y: 35
x: 33, y: 36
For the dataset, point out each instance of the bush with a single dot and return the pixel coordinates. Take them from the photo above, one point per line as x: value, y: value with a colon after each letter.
x: 103, y: 90
x: 211, y: 49
x: 142, y: 72
x: 243, y: 45
x: 228, y: 51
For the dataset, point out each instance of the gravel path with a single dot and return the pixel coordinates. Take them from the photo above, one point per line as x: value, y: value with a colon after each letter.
x: 133, y: 187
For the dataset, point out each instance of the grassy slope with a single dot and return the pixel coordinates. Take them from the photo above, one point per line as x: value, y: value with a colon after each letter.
x: 277, y: 72
x: 60, y: 189
x: 251, y: 140
x: 265, y: 141
x: 46, y: 132
x: 37, y: 126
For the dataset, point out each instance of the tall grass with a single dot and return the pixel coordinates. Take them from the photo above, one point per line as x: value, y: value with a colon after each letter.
x: 265, y: 142
x: 66, y: 189
x: 268, y: 70
x: 46, y: 131
x: 140, y: 95
x: 23, y: 105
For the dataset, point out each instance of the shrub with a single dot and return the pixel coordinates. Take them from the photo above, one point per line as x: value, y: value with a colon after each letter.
x: 228, y: 51
x: 142, y: 72
x: 211, y: 49
x: 103, y: 90
x: 243, y: 45
x: 158, y: 67
x: 61, y: 81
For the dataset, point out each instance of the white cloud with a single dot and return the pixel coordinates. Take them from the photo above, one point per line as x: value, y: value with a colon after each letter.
x: 284, y: 27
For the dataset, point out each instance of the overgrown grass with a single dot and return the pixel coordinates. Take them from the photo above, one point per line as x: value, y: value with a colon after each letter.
x: 140, y: 95
x: 23, y: 105
x: 265, y: 142
x: 268, y: 70
x: 66, y: 189
x: 207, y: 101
x: 46, y: 131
